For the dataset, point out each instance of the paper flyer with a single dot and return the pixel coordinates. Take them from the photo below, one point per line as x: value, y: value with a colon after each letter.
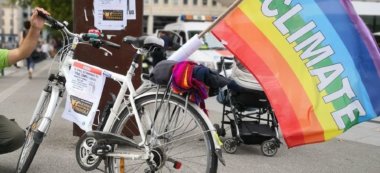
x: 84, y: 87
x: 110, y: 14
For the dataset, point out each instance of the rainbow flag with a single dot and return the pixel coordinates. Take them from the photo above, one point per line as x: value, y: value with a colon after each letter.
x: 316, y: 60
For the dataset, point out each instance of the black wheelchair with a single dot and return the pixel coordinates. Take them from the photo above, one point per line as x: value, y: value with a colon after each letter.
x: 251, y: 120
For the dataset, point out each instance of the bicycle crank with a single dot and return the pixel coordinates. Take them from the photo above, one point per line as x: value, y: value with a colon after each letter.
x: 93, y: 146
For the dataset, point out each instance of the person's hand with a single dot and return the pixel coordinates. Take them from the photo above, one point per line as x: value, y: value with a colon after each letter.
x: 36, y: 21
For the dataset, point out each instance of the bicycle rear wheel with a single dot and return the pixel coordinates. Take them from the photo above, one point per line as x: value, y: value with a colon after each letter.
x: 33, y: 138
x: 176, y: 134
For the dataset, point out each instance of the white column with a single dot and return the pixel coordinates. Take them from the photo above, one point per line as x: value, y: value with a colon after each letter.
x: 150, y: 23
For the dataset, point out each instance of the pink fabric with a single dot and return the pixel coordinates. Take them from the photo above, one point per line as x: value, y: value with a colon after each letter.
x: 183, y: 82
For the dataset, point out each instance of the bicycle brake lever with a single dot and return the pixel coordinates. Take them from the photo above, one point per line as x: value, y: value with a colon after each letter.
x: 106, y: 51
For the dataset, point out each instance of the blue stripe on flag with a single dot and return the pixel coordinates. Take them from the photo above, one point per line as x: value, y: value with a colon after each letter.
x: 309, y: 13
x: 357, y: 48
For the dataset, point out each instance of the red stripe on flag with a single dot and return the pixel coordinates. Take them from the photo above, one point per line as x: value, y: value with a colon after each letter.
x: 224, y: 53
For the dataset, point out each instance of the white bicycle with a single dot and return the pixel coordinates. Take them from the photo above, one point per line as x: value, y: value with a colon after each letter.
x: 145, y: 130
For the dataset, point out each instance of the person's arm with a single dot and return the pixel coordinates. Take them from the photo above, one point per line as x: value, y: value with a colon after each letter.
x: 29, y: 43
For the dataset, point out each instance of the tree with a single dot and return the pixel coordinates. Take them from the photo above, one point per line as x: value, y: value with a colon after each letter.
x: 59, y: 9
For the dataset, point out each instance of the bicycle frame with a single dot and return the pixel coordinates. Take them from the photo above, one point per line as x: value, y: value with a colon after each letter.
x: 126, y: 85
x: 57, y: 89
x: 97, y: 146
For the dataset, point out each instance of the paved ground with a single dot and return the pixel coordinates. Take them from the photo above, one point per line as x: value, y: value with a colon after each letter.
x: 358, y: 150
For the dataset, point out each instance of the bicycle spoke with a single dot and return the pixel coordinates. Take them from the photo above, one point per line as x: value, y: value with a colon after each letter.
x: 137, y: 167
x: 174, y: 134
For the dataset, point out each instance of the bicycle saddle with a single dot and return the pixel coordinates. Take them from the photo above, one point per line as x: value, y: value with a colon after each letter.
x: 135, y: 41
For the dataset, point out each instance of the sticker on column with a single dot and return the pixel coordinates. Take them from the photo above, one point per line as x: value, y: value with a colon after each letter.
x: 84, y: 87
x: 131, y: 9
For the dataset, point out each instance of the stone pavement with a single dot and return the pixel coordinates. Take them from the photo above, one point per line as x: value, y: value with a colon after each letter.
x: 366, y: 132
x: 357, y: 150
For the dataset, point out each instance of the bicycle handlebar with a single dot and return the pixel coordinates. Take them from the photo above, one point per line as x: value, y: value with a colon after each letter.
x: 55, y: 24
x: 111, y: 44
x: 95, y: 42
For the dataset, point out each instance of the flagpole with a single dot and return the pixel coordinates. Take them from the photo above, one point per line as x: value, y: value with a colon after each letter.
x: 196, y: 42
x: 235, y: 4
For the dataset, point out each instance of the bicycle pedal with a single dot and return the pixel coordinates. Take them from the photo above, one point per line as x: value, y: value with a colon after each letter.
x: 102, y: 150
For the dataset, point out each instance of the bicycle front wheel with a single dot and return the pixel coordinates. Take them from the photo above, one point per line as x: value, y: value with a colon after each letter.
x: 176, y: 133
x: 33, y: 137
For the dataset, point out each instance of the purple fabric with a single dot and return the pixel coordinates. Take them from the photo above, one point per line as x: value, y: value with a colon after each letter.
x: 196, y: 88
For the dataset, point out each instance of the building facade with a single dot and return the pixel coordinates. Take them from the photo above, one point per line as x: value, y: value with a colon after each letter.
x: 369, y: 11
x: 12, y: 17
x: 10, y: 25
x: 158, y: 13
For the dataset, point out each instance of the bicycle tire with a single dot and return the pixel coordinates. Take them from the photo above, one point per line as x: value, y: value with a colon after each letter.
x: 193, y: 119
x: 23, y: 168
x: 32, y: 141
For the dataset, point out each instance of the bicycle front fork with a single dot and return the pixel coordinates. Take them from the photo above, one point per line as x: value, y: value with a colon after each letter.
x: 46, y: 106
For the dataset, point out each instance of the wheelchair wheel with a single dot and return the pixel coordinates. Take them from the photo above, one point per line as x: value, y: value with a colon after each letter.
x: 269, y: 148
x: 230, y: 145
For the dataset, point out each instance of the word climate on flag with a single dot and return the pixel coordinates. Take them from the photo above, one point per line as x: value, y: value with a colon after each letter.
x: 313, y: 52
x: 317, y: 62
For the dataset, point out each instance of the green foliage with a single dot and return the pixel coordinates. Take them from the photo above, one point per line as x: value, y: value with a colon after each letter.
x: 61, y: 10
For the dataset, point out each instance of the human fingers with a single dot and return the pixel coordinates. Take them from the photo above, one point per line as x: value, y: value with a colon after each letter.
x: 37, y: 21
x: 35, y: 11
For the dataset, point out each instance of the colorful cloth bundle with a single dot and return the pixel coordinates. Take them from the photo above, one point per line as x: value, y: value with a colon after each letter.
x: 184, y: 82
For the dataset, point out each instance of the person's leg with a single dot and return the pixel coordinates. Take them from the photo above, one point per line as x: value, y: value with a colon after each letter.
x: 30, y: 65
x: 12, y: 136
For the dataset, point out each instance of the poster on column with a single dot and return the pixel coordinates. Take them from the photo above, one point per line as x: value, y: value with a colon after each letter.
x: 84, y: 87
x: 110, y: 14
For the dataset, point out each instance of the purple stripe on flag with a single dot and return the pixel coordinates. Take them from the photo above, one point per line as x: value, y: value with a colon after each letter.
x: 364, y: 33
